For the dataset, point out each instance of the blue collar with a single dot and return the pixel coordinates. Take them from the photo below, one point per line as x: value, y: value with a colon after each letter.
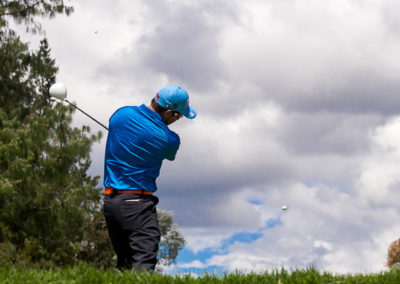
x: 150, y: 112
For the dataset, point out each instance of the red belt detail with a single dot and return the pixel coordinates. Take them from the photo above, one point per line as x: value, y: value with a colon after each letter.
x: 110, y: 190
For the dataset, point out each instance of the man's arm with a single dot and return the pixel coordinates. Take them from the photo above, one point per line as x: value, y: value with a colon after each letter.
x: 173, y: 147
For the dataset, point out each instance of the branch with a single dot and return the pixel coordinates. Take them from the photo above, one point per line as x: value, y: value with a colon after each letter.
x: 22, y: 10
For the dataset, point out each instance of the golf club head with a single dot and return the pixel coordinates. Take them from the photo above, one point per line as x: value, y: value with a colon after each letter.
x: 58, y: 91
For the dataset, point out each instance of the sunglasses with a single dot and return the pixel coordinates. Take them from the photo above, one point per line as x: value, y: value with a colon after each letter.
x: 177, y: 114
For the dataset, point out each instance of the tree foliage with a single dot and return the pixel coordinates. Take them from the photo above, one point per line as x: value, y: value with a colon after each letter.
x: 393, y: 254
x: 26, y: 11
x: 172, y: 239
x: 48, y: 203
x: 50, y: 209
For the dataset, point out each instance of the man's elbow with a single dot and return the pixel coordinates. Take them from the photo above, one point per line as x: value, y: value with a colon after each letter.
x: 171, y: 158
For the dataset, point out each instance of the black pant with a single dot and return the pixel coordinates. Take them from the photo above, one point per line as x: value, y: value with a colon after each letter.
x: 133, y: 229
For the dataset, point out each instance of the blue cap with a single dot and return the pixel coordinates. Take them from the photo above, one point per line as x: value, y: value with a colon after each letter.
x: 177, y: 99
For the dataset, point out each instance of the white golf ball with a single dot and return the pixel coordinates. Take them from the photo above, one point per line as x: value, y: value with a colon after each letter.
x: 284, y: 207
x: 58, y: 91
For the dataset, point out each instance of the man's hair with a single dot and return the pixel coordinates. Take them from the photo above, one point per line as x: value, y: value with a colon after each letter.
x: 159, y: 109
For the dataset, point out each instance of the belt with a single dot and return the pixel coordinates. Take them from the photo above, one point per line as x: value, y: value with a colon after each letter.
x: 110, y: 190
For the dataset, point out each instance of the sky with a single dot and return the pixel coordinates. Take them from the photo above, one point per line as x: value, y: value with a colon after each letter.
x: 298, y: 104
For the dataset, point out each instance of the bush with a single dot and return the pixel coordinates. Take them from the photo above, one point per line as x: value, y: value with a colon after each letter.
x: 7, y: 254
x: 393, y: 255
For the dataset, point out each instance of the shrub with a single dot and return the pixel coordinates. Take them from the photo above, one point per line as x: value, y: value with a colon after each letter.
x: 393, y: 255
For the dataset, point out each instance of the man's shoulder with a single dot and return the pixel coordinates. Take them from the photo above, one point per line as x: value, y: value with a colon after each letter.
x: 130, y: 111
x: 123, y: 110
x: 139, y: 110
x: 173, y: 138
x: 127, y: 108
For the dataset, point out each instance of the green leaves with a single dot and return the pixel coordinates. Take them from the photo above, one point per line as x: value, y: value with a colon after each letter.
x: 172, y: 239
x: 47, y: 203
x: 25, y: 12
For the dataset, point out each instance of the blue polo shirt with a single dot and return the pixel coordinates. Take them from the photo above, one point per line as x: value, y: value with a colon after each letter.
x: 137, y: 143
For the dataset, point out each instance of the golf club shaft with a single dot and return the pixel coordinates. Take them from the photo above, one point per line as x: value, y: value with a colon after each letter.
x: 86, y: 114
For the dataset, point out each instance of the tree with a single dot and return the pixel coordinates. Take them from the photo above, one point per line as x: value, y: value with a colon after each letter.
x: 26, y: 11
x: 47, y: 200
x: 49, y: 206
x: 172, y: 239
x: 393, y: 255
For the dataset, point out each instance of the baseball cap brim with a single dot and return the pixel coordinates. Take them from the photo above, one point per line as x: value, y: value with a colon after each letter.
x: 189, y: 112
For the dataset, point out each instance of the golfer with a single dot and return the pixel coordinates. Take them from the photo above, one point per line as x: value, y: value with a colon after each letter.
x: 138, y: 141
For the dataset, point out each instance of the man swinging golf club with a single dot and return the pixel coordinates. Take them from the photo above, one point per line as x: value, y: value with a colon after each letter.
x: 138, y: 141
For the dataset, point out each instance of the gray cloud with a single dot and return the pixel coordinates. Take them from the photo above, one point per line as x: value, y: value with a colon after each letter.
x: 373, y: 92
x: 328, y: 133
x: 184, y: 44
x: 390, y: 12
x: 180, y: 42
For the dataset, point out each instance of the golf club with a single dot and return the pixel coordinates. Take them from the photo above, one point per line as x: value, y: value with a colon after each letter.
x: 59, y: 91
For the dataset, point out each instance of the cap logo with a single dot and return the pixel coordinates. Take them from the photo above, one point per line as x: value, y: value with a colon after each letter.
x: 157, y: 97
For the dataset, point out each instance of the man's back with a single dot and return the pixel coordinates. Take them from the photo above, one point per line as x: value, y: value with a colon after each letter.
x: 138, y: 141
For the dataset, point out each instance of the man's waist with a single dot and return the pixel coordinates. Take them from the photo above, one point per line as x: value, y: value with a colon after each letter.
x: 110, y: 190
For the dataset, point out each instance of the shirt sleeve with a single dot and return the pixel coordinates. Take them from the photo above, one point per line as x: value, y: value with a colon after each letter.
x: 173, y: 146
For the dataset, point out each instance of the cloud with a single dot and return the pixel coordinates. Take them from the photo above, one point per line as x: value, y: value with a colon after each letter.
x: 334, y: 57
x: 390, y: 11
x: 324, y: 226
x: 379, y: 179
x: 193, y: 264
x: 184, y: 42
x: 327, y: 133
x: 179, y: 42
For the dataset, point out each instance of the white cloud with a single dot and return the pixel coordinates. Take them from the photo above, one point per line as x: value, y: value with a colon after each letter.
x: 337, y: 234
x: 313, y: 55
x: 380, y: 177
x: 336, y: 231
x: 193, y: 264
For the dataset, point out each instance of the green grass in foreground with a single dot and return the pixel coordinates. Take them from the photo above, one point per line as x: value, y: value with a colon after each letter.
x: 85, y: 274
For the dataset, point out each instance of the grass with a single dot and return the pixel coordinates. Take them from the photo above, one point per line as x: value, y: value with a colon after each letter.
x: 85, y: 274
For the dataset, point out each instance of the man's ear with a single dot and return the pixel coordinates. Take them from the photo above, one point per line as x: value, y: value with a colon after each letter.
x: 165, y: 115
